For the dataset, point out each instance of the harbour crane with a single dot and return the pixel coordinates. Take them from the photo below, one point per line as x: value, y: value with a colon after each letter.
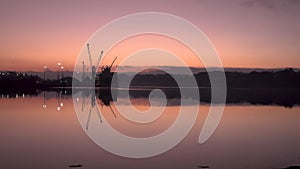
x: 83, y: 70
x: 93, y: 67
x: 107, y: 70
x: 113, y: 62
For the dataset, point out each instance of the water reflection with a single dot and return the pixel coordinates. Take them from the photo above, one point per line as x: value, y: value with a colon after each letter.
x: 249, y: 135
x: 88, y: 101
x: 92, y: 107
x: 281, y: 97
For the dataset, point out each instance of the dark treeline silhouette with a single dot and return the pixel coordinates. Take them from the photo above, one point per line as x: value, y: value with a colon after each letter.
x: 287, y: 78
x: 18, y: 80
x: 266, y: 88
x: 22, y: 81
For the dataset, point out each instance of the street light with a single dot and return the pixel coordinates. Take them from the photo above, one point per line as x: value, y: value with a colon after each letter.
x: 58, y: 70
x: 45, y: 69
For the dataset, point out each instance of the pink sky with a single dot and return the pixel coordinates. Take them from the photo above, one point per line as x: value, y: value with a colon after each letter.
x: 246, y: 33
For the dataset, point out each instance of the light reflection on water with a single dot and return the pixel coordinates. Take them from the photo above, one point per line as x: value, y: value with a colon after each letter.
x: 43, y: 132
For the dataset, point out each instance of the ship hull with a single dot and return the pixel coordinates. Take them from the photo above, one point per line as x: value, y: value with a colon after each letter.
x: 106, y: 80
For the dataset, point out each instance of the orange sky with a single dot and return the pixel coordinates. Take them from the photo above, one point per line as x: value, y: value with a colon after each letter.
x: 151, y: 42
x: 246, y: 33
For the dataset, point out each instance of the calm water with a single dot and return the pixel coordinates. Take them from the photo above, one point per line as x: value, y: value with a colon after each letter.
x: 43, y: 132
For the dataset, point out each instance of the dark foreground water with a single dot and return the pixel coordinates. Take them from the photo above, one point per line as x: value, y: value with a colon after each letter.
x: 43, y: 132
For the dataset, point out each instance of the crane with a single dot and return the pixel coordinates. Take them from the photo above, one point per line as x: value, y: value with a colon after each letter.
x: 83, y: 69
x: 107, y: 69
x: 113, y: 62
x: 93, y: 67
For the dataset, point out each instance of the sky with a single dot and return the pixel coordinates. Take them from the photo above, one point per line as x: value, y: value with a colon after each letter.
x: 245, y: 33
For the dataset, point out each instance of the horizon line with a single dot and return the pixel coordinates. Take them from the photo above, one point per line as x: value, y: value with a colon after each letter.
x: 264, y: 68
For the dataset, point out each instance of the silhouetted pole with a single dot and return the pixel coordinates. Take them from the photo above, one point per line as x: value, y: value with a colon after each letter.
x: 45, y: 69
x: 58, y: 70
x: 62, y: 72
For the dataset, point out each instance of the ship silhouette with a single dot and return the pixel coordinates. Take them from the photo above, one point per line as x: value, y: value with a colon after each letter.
x: 105, y: 77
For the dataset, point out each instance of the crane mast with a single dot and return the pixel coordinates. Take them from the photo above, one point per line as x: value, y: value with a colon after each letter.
x: 93, y: 67
x: 89, y: 53
x: 113, y: 62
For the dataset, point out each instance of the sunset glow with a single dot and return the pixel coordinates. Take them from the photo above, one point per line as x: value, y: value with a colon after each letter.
x: 151, y: 42
x: 248, y: 33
